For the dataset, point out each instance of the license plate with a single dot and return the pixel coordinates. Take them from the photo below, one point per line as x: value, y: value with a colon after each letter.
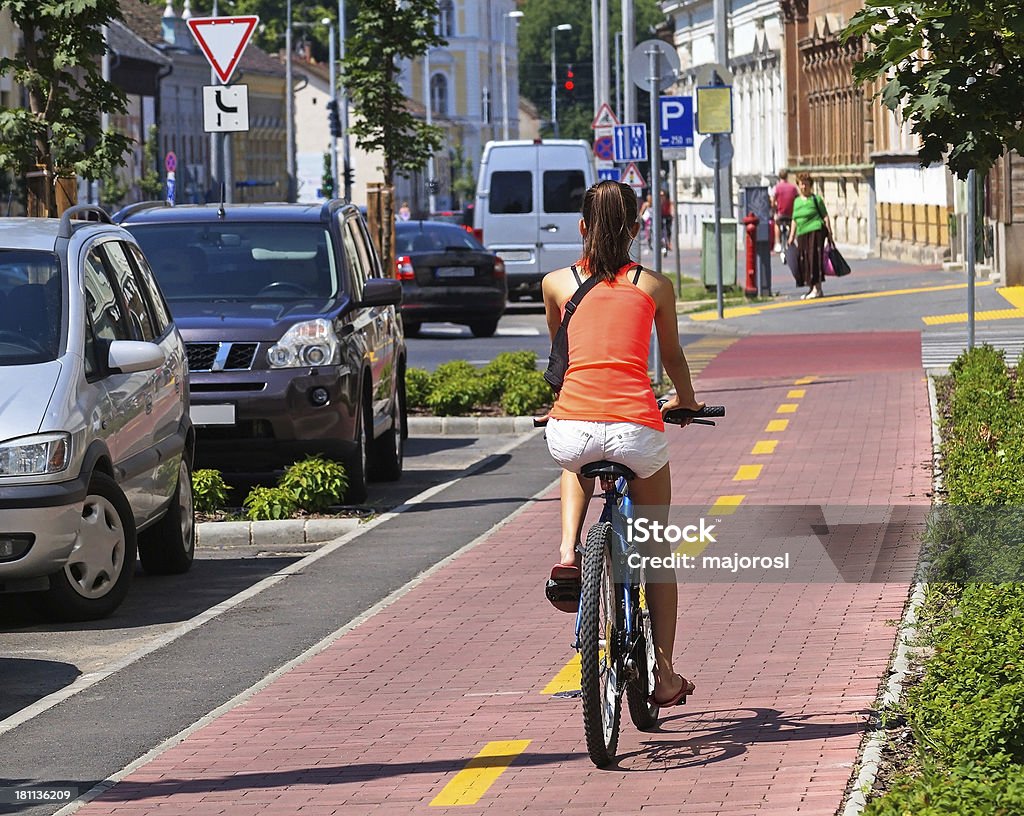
x: 515, y: 255
x: 455, y: 272
x: 212, y: 414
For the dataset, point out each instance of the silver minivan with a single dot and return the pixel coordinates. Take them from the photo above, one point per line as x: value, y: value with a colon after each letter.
x: 96, y: 442
x: 527, y: 209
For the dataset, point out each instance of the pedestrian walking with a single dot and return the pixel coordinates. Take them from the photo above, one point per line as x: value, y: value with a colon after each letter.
x: 782, y: 198
x: 404, y: 213
x: 645, y: 219
x: 666, y: 223
x: 810, y: 228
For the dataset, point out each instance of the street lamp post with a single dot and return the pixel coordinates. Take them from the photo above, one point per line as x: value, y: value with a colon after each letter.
x: 554, y: 79
x: 289, y: 107
x: 334, y: 95
x: 343, y: 105
x: 515, y: 15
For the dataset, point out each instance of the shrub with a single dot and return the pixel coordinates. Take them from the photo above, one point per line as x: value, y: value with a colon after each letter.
x: 504, y: 370
x: 264, y: 503
x: 417, y: 387
x: 209, y: 492
x: 316, y: 483
x: 526, y: 394
x: 456, y: 387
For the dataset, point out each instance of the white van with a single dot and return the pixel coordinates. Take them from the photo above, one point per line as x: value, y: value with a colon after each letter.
x: 527, y: 210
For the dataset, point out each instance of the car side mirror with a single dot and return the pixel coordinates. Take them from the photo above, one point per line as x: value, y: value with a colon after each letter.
x: 381, y: 292
x: 129, y: 356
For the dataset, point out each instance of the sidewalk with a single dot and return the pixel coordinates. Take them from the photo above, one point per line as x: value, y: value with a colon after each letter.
x: 383, y: 719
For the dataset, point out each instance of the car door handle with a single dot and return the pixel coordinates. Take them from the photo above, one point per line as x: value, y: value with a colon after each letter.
x: 550, y: 228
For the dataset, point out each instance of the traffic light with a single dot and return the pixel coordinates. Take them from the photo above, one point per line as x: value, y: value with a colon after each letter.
x: 570, y: 83
x: 349, y: 176
x: 333, y: 117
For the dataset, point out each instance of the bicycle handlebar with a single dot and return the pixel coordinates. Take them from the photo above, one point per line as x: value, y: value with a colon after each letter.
x: 677, y: 416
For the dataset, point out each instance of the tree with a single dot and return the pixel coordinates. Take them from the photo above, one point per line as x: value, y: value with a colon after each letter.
x: 574, y: 47
x: 58, y: 64
x: 952, y: 69
x: 150, y: 184
x: 464, y: 181
x: 383, y: 33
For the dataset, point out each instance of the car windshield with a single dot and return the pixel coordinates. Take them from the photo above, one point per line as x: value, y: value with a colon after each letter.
x: 31, y: 314
x: 240, y: 261
x: 423, y: 237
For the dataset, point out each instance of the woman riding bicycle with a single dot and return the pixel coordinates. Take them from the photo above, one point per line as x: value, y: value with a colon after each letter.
x: 606, y: 408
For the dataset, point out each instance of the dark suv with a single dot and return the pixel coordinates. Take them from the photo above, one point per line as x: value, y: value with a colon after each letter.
x: 294, y: 342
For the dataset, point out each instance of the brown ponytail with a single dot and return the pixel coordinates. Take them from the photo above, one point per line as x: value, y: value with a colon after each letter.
x: 609, y: 211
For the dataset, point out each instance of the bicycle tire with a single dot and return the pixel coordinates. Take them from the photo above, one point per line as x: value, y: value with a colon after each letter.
x: 643, y: 713
x: 602, y: 701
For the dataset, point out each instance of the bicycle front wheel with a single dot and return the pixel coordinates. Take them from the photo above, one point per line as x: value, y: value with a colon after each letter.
x: 600, y: 649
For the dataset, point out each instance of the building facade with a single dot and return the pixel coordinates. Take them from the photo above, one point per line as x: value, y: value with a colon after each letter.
x: 472, y: 89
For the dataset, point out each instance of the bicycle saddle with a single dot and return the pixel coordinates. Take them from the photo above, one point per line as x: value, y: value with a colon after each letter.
x: 606, y: 468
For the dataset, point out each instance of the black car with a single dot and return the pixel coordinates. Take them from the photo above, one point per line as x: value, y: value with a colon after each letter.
x: 292, y: 331
x: 448, y: 276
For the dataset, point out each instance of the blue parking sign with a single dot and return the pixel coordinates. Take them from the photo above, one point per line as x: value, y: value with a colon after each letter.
x: 676, y: 121
x: 630, y: 143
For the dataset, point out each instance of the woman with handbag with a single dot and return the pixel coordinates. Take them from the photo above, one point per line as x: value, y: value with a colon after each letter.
x: 810, y: 229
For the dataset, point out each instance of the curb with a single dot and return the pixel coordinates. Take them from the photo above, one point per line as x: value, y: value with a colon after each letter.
x: 272, y: 534
x: 469, y: 426
x: 871, y: 755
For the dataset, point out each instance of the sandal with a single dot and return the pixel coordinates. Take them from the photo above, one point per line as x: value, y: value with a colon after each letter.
x: 563, y: 587
x: 677, y: 699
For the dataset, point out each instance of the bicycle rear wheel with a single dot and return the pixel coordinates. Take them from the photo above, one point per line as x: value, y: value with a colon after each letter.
x: 600, y: 649
x: 643, y: 713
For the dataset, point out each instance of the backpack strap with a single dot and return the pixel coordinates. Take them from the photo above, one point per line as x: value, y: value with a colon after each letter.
x: 577, y: 296
x: 636, y: 277
x: 575, y: 274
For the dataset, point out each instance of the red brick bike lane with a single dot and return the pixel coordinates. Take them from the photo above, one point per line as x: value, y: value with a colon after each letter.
x: 384, y: 719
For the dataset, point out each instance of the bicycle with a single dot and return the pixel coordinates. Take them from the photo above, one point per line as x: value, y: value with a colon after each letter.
x: 613, y: 625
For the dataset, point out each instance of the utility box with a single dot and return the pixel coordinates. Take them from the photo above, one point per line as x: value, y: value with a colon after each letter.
x: 757, y: 201
x: 709, y: 255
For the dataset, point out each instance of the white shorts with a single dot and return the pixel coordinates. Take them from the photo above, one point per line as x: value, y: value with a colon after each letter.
x: 574, y: 443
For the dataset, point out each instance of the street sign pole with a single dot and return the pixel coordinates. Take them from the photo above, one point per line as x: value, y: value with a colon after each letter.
x: 654, y: 66
x: 718, y: 225
x: 971, y: 203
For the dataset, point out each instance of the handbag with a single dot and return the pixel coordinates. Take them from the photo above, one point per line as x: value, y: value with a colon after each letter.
x: 558, y: 359
x: 832, y: 262
x: 793, y: 261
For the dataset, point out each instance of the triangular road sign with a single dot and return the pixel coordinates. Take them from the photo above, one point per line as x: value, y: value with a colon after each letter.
x: 223, y: 39
x: 605, y: 117
x: 631, y: 176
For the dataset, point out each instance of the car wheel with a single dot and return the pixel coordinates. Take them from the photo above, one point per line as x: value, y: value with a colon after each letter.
x: 358, y: 463
x: 387, y: 450
x: 412, y: 329
x: 483, y: 328
x: 96, y: 577
x: 169, y: 546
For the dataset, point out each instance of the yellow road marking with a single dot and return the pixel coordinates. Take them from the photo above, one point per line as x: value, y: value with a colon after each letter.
x: 764, y: 446
x: 700, y: 353
x: 568, y: 679
x: 787, y: 408
x: 744, y: 311
x: 1014, y: 294
x: 726, y: 505
x: 796, y: 393
x: 804, y: 381
x: 747, y: 473
x: 777, y: 425
x: 992, y: 314
x: 472, y: 782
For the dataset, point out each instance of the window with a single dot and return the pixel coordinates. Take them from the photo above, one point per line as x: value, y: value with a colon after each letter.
x: 421, y: 238
x: 31, y: 308
x: 563, y: 191
x: 511, y: 192
x: 104, y: 318
x: 158, y: 308
x: 439, y: 94
x: 446, y: 18
x: 138, y: 313
x: 353, y: 259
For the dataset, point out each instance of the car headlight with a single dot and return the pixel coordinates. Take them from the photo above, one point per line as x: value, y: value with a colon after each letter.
x: 35, y: 455
x: 311, y: 343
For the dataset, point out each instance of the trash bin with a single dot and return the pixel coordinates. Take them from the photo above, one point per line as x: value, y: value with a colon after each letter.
x: 708, y: 255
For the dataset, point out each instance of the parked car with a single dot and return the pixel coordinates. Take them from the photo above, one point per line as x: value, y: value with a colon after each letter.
x: 96, y: 443
x: 464, y: 218
x: 294, y: 340
x: 527, y: 209
x: 448, y: 275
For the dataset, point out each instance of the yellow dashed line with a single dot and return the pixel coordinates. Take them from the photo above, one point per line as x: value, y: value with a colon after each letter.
x: 776, y: 425
x: 992, y: 314
x: 568, y: 679
x: 744, y: 311
x: 472, y: 782
x: 804, y: 381
x: 764, y: 446
x: 796, y: 393
x: 726, y: 505
x: 747, y: 473
x: 787, y: 408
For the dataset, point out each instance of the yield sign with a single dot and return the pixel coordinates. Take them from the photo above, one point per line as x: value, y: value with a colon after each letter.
x: 631, y: 176
x: 222, y: 40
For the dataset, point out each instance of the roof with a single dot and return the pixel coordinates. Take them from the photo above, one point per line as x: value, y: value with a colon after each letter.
x: 126, y: 43
x: 192, y: 213
x: 147, y: 22
x: 41, y: 233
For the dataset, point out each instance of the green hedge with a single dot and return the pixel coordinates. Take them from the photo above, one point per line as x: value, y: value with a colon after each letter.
x: 458, y: 388
x: 967, y: 711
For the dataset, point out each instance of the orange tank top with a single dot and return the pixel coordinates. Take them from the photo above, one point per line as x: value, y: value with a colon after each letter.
x: 609, y: 339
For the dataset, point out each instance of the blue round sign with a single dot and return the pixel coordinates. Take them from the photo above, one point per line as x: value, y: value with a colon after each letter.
x: 604, y: 148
